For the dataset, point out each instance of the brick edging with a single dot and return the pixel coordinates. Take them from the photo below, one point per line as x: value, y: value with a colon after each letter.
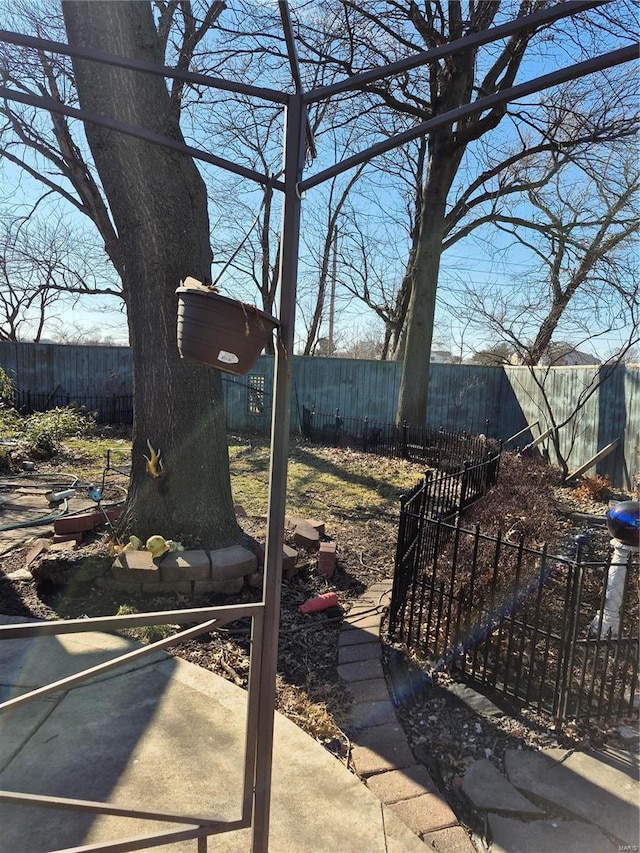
x: 381, y: 755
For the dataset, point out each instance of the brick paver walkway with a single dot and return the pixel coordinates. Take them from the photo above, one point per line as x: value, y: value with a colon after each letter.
x: 381, y: 754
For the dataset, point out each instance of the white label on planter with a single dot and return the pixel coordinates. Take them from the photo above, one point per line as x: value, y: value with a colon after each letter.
x: 228, y: 357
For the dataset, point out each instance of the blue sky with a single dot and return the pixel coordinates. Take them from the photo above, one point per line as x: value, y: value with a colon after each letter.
x: 473, y: 261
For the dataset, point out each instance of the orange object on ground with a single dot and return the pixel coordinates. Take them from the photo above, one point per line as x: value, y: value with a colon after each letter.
x: 320, y: 602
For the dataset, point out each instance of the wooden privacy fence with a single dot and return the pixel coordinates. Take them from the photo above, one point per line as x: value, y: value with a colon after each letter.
x: 461, y: 397
x: 509, y: 618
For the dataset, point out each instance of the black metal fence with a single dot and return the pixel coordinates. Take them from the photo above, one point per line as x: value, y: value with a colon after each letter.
x: 434, y: 448
x: 510, y: 618
x: 108, y: 409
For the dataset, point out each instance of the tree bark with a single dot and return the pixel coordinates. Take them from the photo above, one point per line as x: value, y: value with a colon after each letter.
x: 424, y: 272
x: 159, y: 205
x: 452, y: 85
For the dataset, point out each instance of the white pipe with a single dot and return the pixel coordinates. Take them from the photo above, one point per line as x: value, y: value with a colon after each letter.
x: 610, y: 614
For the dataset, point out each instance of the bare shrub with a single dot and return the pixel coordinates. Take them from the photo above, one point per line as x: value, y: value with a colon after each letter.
x: 522, y: 503
x: 594, y: 488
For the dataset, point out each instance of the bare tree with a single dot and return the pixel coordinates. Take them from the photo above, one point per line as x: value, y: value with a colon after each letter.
x: 46, y: 269
x: 149, y: 206
x: 47, y: 146
x: 245, y: 230
x: 578, y: 232
x: 44, y: 145
x: 369, y: 34
x: 323, y: 250
x: 158, y: 203
x: 579, y: 229
x: 494, y: 355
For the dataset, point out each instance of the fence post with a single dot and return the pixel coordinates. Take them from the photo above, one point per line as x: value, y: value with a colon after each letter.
x: 365, y: 429
x: 568, y: 642
x: 405, y: 450
x: 336, y: 428
x: 398, y: 589
x: 464, y: 484
x: 113, y: 410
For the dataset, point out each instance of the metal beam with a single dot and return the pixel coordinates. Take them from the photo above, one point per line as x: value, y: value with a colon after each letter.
x: 19, y: 798
x: 221, y: 615
x: 107, y: 666
x: 131, y: 64
x: 537, y: 19
x: 294, y: 162
x: 294, y: 65
x: 563, y: 75
x: 50, y: 104
x: 139, y: 842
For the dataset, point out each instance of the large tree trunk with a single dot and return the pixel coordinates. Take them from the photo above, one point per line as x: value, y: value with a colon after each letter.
x: 159, y: 206
x: 424, y: 268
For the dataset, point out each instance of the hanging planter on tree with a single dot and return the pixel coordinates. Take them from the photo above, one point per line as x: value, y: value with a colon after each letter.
x: 220, y: 332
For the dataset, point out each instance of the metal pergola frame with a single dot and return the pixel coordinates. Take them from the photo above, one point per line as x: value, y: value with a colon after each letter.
x: 265, y: 614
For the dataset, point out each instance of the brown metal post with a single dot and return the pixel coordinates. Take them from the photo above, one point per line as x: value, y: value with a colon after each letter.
x: 294, y: 161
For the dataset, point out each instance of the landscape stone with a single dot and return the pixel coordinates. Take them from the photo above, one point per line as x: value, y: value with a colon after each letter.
x: 426, y: 813
x: 306, y: 536
x: 80, y: 523
x: 232, y: 586
x: 327, y: 567
x: 564, y: 781
x: 371, y: 690
x: 362, y: 635
x: 474, y: 700
x: 362, y: 620
x: 358, y: 651
x: 135, y: 566
x: 67, y: 537
x: 361, y: 670
x: 453, y: 839
x: 289, y: 561
x: 488, y: 789
x: 396, y: 785
x: 515, y: 836
x: 233, y: 562
x: 20, y: 575
x: 381, y: 748
x: 85, y: 521
x: 374, y: 597
x: 398, y: 838
x: 185, y: 566
x: 363, y: 714
x: 254, y: 580
x: 327, y: 559
x: 366, y: 609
